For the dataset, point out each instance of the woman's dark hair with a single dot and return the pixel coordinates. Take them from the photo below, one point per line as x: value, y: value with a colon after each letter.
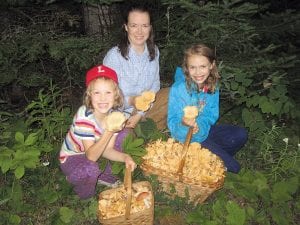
x: 124, y: 42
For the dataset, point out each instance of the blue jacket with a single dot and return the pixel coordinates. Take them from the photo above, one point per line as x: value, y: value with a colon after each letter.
x: 179, y: 98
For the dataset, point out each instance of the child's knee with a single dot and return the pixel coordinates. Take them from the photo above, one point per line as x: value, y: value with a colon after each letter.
x: 239, y: 137
x: 87, y: 173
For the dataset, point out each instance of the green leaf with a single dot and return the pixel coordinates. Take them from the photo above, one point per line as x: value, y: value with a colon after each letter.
x: 17, y: 195
x: 31, y: 139
x: 133, y: 146
x: 19, y: 137
x: 211, y: 222
x: 19, y: 172
x: 253, y: 101
x: 241, y: 90
x: 239, y: 77
x: 218, y: 209
x: 47, y: 195
x: 279, y: 195
x: 252, y: 119
x: 14, y: 219
x: 266, y: 106
x: 247, y: 82
x: 260, y: 182
x: 262, y: 218
x: 250, y: 212
x: 288, y: 106
x: 234, y: 86
x: 266, y: 196
x: 2, y: 202
x: 279, y: 216
x: 137, y: 152
x: 148, y: 130
x: 136, y: 143
x: 66, y: 214
x: 282, y: 191
x: 29, y: 158
x: 5, y: 159
x: 47, y: 147
x: 91, y: 210
x: 117, y: 167
x: 236, y: 215
x: 5, y: 165
x: 195, y: 217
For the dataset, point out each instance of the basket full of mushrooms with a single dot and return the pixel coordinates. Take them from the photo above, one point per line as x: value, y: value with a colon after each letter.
x: 184, y: 170
x: 130, y: 203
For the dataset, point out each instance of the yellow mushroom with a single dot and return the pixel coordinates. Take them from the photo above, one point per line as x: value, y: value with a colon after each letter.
x: 115, y: 121
x: 190, y: 112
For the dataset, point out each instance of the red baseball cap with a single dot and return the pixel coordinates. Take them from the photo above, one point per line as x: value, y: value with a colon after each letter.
x: 100, y: 71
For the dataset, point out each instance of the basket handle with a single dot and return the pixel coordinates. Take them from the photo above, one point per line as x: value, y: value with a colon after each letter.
x: 128, y: 189
x: 185, y: 150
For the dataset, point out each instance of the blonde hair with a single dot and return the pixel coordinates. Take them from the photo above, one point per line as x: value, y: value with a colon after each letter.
x: 201, y: 50
x: 119, y: 99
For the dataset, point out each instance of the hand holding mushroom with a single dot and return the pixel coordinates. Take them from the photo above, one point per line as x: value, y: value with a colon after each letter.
x: 189, y: 118
x: 144, y: 101
x: 115, y: 121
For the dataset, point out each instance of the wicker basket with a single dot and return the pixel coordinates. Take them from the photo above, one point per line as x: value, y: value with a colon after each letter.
x: 176, y: 184
x: 143, y: 217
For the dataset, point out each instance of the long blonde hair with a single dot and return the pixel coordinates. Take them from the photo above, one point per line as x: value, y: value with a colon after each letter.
x: 119, y: 99
x: 201, y: 50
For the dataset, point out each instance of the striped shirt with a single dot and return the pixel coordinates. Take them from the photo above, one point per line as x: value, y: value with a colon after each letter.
x: 84, y: 127
x: 137, y: 74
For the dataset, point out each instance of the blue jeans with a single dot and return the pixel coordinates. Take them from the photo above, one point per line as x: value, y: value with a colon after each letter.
x: 225, y: 141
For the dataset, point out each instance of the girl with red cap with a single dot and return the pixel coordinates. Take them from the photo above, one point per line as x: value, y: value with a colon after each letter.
x: 89, y: 137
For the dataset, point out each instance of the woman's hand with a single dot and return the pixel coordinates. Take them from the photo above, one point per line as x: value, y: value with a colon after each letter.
x: 129, y: 163
x: 131, y: 100
x: 133, y: 121
x: 191, y: 123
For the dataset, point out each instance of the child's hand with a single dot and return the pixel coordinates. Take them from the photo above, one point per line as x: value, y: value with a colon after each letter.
x: 195, y: 128
x: 129, y: 162
x: 190, y: 123
x: 189, y: 117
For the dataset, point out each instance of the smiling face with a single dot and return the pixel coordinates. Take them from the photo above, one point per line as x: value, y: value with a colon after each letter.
x: 138, y: 29
x: 199, y: 68
x: 102, y: 96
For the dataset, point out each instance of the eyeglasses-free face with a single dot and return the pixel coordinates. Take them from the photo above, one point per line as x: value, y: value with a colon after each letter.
x: 102, y: 96
x: 199, y: 68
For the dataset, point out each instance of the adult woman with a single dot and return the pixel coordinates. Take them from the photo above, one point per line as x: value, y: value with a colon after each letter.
x: 135, y: 59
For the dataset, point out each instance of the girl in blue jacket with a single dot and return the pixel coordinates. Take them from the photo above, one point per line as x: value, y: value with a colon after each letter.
x: 197, y: 84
